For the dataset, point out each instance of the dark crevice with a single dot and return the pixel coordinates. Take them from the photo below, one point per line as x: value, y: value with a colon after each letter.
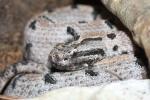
x: 142, y: 59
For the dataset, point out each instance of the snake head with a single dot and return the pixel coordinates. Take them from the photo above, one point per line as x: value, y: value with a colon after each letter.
x: 60, y: 57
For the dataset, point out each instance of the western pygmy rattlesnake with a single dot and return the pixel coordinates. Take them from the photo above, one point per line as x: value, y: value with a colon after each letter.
x: 74, y: 35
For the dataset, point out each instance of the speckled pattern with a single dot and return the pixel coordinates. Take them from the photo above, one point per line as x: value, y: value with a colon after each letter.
x: 51, y: 29
x: 99, y: 45
x: 36, y: 78
x: 119, y: 68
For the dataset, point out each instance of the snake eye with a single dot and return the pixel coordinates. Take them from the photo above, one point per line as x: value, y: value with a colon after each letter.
x: 65, y: 58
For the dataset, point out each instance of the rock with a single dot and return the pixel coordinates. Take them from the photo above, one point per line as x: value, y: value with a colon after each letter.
x: 125, y: 90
